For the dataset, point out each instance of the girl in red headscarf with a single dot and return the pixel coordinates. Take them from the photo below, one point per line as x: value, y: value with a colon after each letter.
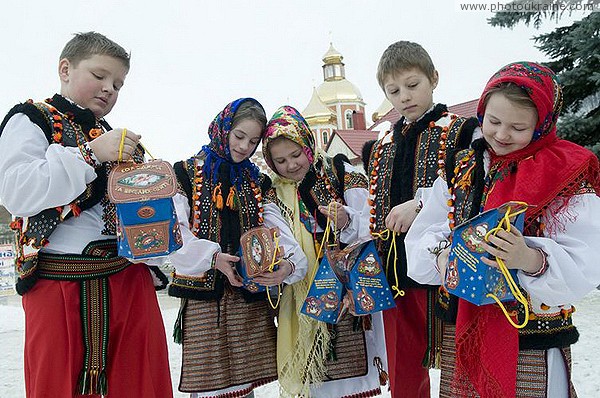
x: 519, y: 158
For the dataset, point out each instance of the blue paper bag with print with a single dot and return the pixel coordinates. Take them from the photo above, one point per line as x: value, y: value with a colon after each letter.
x: 146, y: 219
x: 355, y: 270
x: 466, y: 276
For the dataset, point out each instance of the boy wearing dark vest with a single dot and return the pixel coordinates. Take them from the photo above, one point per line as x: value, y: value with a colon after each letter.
x: 401, y: 167
x: 92, y: 321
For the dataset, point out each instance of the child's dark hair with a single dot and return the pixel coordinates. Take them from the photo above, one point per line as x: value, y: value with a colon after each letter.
x: 401, y: 56
x: 85, y: 45
x: 513, y: 93
x: 250, y: 110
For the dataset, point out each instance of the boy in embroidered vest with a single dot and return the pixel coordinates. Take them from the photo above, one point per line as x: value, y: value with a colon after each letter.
x: 400, y: 165
x: 519, y: 158
x: 92, y: 321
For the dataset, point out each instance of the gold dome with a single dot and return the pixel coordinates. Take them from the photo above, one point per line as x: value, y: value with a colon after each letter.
x: 382, y: 110
x: 342, y: 90
x: 316, y: 111
x: 332, y: 56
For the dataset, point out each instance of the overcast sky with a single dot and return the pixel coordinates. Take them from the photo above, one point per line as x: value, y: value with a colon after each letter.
x: 190, y: 58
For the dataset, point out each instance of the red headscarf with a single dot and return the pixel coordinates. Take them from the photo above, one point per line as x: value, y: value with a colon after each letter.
x: 546, y: 170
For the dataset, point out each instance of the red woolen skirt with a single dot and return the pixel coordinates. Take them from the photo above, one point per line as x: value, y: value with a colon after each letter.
x: 137, y: 360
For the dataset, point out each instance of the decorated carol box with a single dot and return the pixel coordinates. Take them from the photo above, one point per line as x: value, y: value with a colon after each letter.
x: 466, y: 276
x: 146, y: 218
x: 258, y: 251
x: 355, y: 270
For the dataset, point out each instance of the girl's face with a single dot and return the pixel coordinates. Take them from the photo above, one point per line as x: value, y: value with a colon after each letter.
x: 289, y: 159
x: 243, y: 139
x: 507, y: 127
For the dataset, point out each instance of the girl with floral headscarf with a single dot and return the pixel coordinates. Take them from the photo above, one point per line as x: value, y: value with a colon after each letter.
x: 519, y: 158
x: 311, y: 187
x: 227, y: 332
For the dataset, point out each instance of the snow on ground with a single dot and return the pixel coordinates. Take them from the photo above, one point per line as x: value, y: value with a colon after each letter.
x: 586, y: 354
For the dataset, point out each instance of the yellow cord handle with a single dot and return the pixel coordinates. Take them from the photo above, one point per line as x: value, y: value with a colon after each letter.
x: 122, y: 144
x: 326, y: 233
x: 274, y: 262
x: 385, y: 235
x: 504, y: 224
x: 274, y: 306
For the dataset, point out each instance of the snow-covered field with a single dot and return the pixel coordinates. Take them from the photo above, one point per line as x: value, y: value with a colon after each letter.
x: 586, y: 354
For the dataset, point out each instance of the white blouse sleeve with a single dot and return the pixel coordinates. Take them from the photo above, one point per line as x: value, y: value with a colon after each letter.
x: 291, y: 249
x: 426, y: 232
x: 358, y: 210
x: 573, y: 269
x: 195, y: 256
x: 35, y: 176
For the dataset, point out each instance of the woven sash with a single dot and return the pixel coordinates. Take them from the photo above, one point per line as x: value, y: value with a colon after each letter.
x: 92, y: 270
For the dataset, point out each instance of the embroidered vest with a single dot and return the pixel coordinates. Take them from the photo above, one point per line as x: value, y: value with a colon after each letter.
x: 405, y: 159
x: 223, y: 226
x: 548, y: 327
x: 33, y: 232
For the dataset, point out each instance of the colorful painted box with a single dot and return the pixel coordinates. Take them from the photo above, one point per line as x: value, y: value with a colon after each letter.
x: 355, y: 270
x: 146, y: 218
x: 258, y: 251
x: 466, y: 276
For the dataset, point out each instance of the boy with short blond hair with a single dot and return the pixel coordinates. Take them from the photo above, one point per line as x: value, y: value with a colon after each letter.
x: 400, y: 166
x: 92, y: 321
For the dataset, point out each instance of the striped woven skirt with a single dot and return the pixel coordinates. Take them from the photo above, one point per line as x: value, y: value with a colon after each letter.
x: 227, y: 344
x: 532, y: 370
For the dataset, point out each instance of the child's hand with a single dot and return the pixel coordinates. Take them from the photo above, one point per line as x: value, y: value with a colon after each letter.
x: 335, y: 212
x: 276, y: 277
x: 106, y: 147
x: 226, y: 264
x: 512, y: 249
x: 402, y: 216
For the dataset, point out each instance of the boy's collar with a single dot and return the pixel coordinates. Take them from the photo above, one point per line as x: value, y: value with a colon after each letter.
x: 82, y: 116
x: 406, y: 121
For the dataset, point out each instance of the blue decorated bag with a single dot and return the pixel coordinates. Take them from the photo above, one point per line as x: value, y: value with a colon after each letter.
x: 355, y: 270
x: 469, y: 278
x: 146, y: 218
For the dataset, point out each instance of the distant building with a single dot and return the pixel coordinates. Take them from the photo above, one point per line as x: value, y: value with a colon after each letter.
x: 6, y: 234
x: 334, y: 102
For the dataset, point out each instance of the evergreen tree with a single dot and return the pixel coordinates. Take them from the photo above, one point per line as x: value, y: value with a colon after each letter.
x: 575, y: 56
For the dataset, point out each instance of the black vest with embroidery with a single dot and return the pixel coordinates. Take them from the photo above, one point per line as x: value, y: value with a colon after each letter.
x: 406, y: 159
x: 326, y: 182
x: 465, y: 176
x: 65, y: 124
x: 223, y: 226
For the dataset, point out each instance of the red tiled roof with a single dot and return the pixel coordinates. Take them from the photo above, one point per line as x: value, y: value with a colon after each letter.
x: 354, y: 139
x: 466, y: 109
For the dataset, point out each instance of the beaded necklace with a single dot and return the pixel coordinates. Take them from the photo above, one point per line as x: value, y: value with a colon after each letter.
x: 196, y: 201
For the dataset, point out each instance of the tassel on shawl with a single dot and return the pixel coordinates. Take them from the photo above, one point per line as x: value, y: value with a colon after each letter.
x: 217, y: 197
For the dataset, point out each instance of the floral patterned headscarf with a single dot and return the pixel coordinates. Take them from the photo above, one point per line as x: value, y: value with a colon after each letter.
x: 540, y: 83
x: 217, y: 151
x: 288, y: 122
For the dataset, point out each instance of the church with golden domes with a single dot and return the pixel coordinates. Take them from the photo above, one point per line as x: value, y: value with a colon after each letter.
x: 336, y: 112
x: 336, y: 104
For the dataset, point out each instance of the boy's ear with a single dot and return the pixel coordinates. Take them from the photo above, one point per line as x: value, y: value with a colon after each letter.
x: 64, y: 67
x: 436, y: 79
